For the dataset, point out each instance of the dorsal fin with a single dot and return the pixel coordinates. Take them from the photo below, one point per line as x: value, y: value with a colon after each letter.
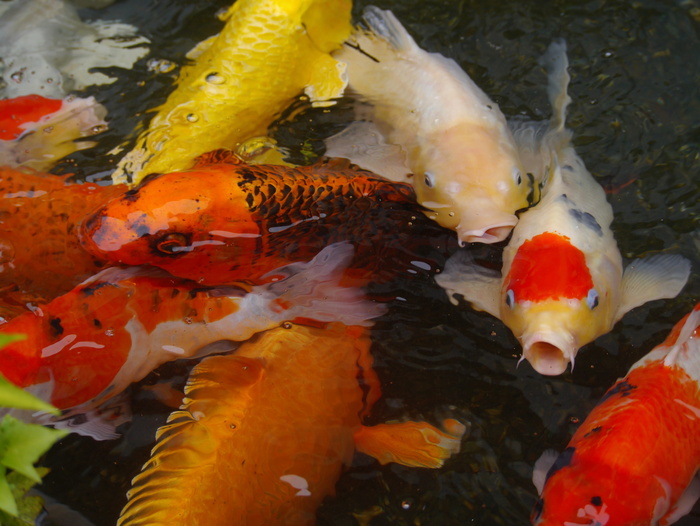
x: 221, y: 156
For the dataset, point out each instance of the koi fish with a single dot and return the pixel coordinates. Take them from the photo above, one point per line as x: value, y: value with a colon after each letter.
x: 35, y: 131
x: 87, y: 346
x: 40, y: 254
x: 48, y: 49
x: 618, y: 470
x: 204, y: 223
x: 562, y: 283
x: 268, y: 52
x: 457, y: 143
x: 264, y: 433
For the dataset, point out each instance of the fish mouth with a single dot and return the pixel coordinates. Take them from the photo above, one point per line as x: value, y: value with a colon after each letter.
x: 489, y: 234
x: 549, y: 354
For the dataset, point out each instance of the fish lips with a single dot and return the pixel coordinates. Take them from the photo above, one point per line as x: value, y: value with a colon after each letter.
x: 493, y: 233
x: 549, y: 353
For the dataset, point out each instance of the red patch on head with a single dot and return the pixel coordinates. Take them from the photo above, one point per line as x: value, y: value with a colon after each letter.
x: 22, y: 110
x: 548, y: 266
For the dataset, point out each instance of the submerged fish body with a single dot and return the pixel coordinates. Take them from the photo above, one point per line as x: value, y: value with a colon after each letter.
x: 36, y: 132
x: 229, y: 222
x: 464, y: 161
x: 562, y: 283
x: 87, y: 346
x: 268, y: 52
x: 48, y: 49
x: 40, y: 254
x: 634, y: 460
x: 264, y: 433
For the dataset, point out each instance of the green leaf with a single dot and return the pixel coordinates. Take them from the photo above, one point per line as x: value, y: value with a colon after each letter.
x: 28, y: 506
x: 22, y: 444
x: 7, y: 500
x: 13, y: 396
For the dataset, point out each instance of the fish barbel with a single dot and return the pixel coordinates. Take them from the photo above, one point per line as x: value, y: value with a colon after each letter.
x: 634, y: 460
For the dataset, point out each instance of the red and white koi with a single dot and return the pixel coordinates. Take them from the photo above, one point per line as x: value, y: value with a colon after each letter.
x: 634, y: 460
x: 562, y: 283
x: 87, y: 346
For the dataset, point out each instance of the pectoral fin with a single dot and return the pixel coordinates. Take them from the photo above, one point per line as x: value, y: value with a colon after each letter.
x: 478, y: 285
x: 685, y: 503
x: 415, y: 444
x: 653, y: 278
x: 542, y: 467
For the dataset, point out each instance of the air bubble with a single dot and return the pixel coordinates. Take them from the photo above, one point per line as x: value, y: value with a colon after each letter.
x: 215, y: 78
x: 192, y: 117
x: 187, y: 320
x: 287, y: 325
x: 16, y: 77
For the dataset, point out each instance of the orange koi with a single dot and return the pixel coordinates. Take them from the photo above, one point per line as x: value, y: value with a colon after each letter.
x: 634, y: 460
x: 36, y: 131
x: 40, y: 254
x: 264, y: 433
x: 87, y: 346
x: 204, y: 223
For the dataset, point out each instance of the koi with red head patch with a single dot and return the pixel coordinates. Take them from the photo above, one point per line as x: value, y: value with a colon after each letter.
x: 231, y: 222
x: 562, y: 283
x: 40, y: 254
x: 634, y: 460
x: 87, y: 346
x: 36, y: 131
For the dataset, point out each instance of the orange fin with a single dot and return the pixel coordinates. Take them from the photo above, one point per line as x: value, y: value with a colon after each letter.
x: 221, y: 156
x: 414, y: 444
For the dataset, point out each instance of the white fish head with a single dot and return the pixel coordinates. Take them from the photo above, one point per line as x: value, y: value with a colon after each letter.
x: 472, y: 180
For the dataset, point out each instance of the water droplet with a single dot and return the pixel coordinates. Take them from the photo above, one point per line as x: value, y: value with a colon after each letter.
x: 451, y: 214
x: 17, y: 76
x: 574, y: 420
x: 287, y: 325
x: 192, y: 117
x: 49, y: 80
x: 98, y: 128
x: 406, y: 504
x: 187, y: 320
x: 232, y: 426
x: 215, y: 78
x: 109, y: 332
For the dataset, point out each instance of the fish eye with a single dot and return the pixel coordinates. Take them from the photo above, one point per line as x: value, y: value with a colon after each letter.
x: 429, y: 179
x: 592, y: 299
x: 510, y: 298
x: 517, y: 176
x: 171, y: 244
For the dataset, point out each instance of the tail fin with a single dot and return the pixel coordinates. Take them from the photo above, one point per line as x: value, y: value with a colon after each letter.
x: 314, y: 291
x: 556, y: 62
x: 386, y: 26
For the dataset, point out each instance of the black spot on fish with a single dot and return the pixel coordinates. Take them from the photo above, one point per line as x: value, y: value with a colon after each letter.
x: 586, y: 219
x: 596, y: 429
x: 56, y: 326
x: 131, y: 195
x: 247, y: 175
x: 537, y: 510
x: 564, y: 459
x: 597, y: 501
x: 97, y: 323
x: 90, y: 291
x: 623, y: 388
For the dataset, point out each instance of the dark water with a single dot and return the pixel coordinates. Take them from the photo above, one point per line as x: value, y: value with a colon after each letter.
x: 635, y: 87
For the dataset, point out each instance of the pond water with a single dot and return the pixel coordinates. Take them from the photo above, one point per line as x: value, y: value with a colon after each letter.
x: 635, y: 70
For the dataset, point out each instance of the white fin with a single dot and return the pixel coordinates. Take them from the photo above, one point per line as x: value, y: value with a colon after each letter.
x: 480, y: 286
x: 314, y: 291
x: 556, y: 62
x: 542, y: 467
x: 685, y: 503
x: 364, y: 145
x: 386, y: 26
x: 653, y: 278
